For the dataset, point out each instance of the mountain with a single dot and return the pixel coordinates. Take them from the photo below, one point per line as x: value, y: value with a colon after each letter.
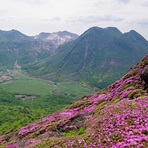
x: 115, y: 117
x: 97, y: 58
x: 56, y: 38
x: 13, y: 35
x: 18, y: 49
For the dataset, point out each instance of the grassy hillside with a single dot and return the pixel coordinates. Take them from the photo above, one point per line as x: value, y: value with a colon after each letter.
x: 116, y: 117
x: 98, y: 57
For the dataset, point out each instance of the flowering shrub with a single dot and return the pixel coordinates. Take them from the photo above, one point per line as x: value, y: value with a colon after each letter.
x: 14, y: 145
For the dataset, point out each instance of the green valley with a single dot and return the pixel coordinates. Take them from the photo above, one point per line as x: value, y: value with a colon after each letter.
x: 25, y: 99
x: 25, y: 84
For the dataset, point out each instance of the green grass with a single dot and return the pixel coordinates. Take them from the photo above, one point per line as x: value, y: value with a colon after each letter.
x: 73, y: 88
x: 28, y: 86
x: 25, y: 84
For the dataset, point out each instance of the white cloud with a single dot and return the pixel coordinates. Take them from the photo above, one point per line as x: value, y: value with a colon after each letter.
x: 34, y: 16
x: 95, y: 19
x: 124, y: 1
x: 143, y: 22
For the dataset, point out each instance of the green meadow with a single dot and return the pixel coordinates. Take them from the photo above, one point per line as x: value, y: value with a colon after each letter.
x: 25, y: 84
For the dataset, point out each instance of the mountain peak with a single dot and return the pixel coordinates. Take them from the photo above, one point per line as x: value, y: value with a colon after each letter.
x: 135, y: 36
x: 56, y: 38
x: 113, y: 30
x: 14, y: 30
x: 93, y: 29
x: 134, y: 33
x: 109, y: 31
x: 13, y: 35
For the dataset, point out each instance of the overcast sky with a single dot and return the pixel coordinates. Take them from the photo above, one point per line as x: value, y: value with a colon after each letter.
x: 34, y: 16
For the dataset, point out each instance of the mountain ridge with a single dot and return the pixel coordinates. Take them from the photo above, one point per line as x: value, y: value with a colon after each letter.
x: 18, y: 47
x: 13, y: 35
x: 99, y: 54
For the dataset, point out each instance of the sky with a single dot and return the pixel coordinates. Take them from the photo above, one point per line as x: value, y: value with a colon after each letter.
x: 34, y: 16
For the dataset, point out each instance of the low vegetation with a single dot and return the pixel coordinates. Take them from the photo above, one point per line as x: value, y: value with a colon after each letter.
x: 114, y: 117
x: 25, y: 99
x: 14, y: 113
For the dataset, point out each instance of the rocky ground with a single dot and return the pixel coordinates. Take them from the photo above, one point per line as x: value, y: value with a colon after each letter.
x: 6, y: 75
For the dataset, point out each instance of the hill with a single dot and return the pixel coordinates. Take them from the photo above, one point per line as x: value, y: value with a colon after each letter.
x: 18, y: 49
x: 97, y: 58
x: 117, y: 116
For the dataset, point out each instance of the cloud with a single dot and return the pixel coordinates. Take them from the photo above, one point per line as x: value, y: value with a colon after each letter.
x: 143, y: 22
x: 145, y: 4
x: 124, y: 1
x: 52, y: 19
x: 55, y: 19
x: 76, y: 15
x: 3, y: 19
x: 9, y: 18
x: 33, y: 2
x: 95, y: 19
x: 109, y: 2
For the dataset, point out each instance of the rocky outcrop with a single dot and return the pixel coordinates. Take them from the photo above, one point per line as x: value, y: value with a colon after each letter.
x: 144, y: 76
x: 56, y: 38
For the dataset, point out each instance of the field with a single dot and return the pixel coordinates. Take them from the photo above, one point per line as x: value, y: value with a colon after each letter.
x: 25, y: 84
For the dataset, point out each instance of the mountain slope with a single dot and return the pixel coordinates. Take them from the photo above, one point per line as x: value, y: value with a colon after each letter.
x: 21, y: 52
x: 98, y: 57
x: 114, y: 117
x: 19, y: 49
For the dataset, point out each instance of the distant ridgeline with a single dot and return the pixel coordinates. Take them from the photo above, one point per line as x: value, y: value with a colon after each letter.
x: 97, y: 58
x: 17, y: 49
